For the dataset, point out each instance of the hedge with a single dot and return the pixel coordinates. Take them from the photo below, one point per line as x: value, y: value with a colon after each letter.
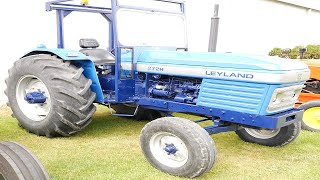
x: 313, y: 52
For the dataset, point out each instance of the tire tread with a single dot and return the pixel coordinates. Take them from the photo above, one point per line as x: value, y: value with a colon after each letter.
x: 286, y: 135
x: 22, y: 162
x: 195, y: 132
x: 71, y: 95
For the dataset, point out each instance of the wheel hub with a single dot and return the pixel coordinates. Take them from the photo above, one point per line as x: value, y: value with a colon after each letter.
x: 262, y: 133
x: 33, y: 98
x: 170, y: 149
x: 311, y: 117
x: 36, y: 97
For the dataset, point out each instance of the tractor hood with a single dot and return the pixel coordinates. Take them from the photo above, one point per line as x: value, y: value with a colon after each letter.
x: 221, y: 60
x: 222, y: 65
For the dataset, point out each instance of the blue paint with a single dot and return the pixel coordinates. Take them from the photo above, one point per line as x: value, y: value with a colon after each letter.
x: 269, y: 122
x: 79, y: 60
x: 107, y: 83
x: 170, y: 149
x: 228, y: 61
x: 126, y: 90
x: 232, y: 95
x: 176, y: 89
x: 184, y: 98
x: 126, y: 86
x: 36, y: 97
x: 90, y: 73
x: 215, y: 130
x: 41, y: 46
x: 60, y: 28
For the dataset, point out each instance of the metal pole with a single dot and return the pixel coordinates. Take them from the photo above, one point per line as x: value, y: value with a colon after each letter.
x: 60, y: 38
x: 214, y: 30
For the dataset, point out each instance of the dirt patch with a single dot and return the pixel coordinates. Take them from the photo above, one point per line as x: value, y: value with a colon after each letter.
x: 5, y: 111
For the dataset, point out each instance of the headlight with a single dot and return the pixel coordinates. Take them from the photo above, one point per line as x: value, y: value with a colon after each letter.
x: 284, y: 98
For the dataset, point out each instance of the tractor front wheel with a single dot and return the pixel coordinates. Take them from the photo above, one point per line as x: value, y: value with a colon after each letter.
x: 311, y: 116
x: 17, y: 162
x: 49, y: 96
x: 277, y: 137
x: 178, y: 147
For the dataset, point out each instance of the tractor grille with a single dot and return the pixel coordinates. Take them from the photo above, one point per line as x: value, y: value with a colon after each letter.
x: 231, y: 95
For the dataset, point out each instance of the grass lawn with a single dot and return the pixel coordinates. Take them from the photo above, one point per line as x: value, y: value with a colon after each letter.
x: 109, y: 149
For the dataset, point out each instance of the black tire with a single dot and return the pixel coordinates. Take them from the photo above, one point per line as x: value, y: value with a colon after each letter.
x: 281, y: 137
x: 199, y: 145
x: 142, y: 114
x: 307, y: 106
x: 17, y: 162
x: 71, y: 99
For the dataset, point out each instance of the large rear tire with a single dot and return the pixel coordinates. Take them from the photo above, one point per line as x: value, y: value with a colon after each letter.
x: 311, y: 116
x: 178, y: 147
x: 142, y: 114
x: 68, y: 107
x: 17, y: 162
x: 277, y: 137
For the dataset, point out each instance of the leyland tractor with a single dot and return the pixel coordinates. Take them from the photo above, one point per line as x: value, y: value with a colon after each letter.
x: 147, y: 72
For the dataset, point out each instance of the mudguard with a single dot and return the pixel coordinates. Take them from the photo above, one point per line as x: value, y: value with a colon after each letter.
x: 79, y: 59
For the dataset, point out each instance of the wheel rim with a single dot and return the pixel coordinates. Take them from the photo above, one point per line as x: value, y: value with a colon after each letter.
x: 27, y: 84
x: 311, y: 117
x: 159, y: 145
x: 262, y: 133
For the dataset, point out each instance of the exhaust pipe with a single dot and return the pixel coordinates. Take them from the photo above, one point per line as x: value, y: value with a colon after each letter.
x: 214, y: 30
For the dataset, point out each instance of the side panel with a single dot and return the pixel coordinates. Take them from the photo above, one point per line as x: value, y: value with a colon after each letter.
x: 79, y: 60
x: 232, y: 95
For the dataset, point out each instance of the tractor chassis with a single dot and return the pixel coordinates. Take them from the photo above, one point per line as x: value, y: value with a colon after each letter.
x: 222, y: 120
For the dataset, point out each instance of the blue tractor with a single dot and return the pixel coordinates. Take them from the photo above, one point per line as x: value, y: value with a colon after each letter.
x: 148, y: 73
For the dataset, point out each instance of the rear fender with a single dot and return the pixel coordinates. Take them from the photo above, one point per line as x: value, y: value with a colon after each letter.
x: 78, y: 59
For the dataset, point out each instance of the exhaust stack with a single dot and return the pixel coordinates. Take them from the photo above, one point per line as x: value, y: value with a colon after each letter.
x: 214, y: 30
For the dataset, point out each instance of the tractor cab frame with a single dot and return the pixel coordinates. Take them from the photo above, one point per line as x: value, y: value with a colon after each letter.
x: 123, y: 80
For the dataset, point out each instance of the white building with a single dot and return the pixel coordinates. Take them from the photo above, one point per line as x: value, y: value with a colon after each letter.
x: 248, y: 26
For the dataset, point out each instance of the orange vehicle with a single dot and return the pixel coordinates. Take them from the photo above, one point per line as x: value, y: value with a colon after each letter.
x: 310, y: 98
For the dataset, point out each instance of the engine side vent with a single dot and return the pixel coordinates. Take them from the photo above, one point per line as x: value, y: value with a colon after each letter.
x: 231, y: 95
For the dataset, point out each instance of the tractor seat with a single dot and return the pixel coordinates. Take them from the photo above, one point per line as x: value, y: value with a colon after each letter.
x: 98, y: 56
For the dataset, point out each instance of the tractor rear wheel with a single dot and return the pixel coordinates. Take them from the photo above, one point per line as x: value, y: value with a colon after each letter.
x: 311, y: 116
x: 17, y: 162
x: 277, y: 137
x: 49, y: 96
x: 178, y: 147
x: 142, y: 114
